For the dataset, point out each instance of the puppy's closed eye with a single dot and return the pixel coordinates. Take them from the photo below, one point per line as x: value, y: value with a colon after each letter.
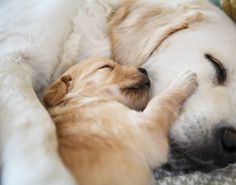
x: 106, y: 66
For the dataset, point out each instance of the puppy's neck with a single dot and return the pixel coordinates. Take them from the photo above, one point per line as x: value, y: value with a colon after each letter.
x: 81, y: 99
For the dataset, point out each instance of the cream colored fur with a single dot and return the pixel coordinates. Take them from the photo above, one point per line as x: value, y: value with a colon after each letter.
x: 41, y: 39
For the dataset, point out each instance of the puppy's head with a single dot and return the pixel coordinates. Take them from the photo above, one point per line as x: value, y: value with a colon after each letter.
x: 102, y: 78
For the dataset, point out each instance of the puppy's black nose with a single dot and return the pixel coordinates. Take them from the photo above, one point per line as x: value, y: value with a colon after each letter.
x: 142, y: 70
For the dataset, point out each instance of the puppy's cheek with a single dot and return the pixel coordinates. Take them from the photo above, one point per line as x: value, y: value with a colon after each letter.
x: 135, y: 99
x: 141, y: 102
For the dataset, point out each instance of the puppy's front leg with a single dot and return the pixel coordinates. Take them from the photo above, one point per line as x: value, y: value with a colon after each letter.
x: 164, y: 108
x: 160, y: 113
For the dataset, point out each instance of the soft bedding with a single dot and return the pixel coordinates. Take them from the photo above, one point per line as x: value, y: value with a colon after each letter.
x: 225, y: 176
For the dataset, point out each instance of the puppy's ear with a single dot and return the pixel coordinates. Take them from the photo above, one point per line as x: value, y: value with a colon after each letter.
x: 56, y: 92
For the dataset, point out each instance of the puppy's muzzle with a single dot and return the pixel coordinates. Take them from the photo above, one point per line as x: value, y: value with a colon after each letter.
x: 145, y: 82
x: 142, y: 70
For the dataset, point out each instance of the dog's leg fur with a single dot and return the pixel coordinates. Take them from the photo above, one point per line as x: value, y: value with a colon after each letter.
x: 27, y: 134
x: 28, y: 146
x: 29, y: 50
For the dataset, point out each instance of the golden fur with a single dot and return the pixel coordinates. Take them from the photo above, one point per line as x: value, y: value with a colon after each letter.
x: 139, y: 26
x: 102, y: 139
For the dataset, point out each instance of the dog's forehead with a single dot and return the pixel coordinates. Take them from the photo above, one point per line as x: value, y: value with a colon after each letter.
x: 185, y: 51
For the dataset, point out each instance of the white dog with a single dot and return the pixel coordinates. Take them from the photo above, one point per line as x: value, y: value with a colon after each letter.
x: 41, y: 39
x: 175, y: 36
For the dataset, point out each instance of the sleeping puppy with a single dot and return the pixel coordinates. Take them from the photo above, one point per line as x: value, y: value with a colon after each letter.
x: 104, y: 138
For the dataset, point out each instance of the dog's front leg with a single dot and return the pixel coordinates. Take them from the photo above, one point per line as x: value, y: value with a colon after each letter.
x: 28, y: 140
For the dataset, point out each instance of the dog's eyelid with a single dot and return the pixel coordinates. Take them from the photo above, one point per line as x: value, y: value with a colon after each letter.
x: 219, y: 67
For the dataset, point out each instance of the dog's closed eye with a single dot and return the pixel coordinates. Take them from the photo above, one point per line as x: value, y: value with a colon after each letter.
x: 221, y: 72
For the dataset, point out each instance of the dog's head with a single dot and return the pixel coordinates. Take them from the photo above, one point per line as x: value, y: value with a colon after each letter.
x: 170, y: 37
x: 102, y: 78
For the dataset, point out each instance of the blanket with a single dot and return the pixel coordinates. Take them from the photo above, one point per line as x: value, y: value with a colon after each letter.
x: 225, y: 176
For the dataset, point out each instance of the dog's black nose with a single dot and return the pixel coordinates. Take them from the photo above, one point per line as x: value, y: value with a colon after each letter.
x: 225, y: 146
x: 142, y: 70
x: 228, y: 138
x: 210, y: 152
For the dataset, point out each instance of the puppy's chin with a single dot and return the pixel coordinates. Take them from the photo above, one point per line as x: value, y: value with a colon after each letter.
x: 135, y: 98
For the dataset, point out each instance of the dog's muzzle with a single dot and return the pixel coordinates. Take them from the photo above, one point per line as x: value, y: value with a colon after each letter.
x: 211, y: 153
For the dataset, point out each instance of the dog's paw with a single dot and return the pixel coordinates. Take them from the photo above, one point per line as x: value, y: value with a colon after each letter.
x: 186, y: 82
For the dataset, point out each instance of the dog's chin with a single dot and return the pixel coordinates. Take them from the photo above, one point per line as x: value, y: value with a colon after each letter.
x: 189, y: 165
x: 176, y: 167
x: 187, y: 162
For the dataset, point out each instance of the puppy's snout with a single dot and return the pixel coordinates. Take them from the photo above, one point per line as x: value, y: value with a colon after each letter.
x: 142, y: 70
x: 147, y: 82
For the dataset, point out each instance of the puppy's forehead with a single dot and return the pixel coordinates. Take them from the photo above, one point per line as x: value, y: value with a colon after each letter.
x: 88, y: 66
x: 95, y: 63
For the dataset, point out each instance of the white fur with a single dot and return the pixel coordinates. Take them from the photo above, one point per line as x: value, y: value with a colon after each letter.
x: 40, y: 39
x: 37, y: 38
x: 211, y: 104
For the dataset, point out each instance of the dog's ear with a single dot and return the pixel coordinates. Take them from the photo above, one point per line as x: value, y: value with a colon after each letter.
x: 56, y: 92
x: 137, y: 30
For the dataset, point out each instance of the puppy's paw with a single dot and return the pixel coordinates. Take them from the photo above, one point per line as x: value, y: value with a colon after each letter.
x: 186, y: 82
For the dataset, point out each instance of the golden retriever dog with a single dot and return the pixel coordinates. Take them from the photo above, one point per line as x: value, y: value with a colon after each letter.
x: 40, y: 40
x: 103, y: 137
x: 204, y: 138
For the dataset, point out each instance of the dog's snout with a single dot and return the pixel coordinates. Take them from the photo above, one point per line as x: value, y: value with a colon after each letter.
x: 142, y: 70
x: 228, y: 139
x: 216, y: 151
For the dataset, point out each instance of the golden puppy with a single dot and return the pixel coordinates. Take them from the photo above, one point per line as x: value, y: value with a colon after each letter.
x: 102, y: 140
